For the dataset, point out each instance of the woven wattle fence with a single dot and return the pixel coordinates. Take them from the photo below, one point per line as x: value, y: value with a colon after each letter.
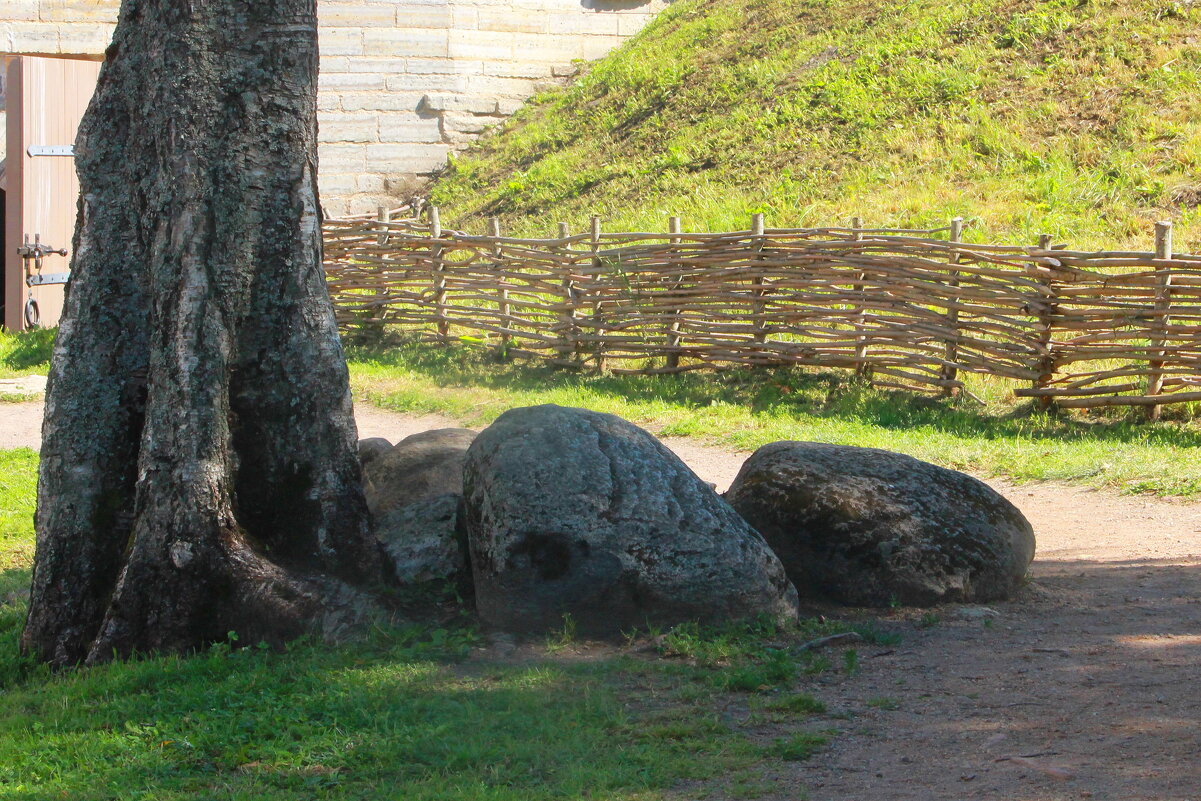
x: 910, y: 309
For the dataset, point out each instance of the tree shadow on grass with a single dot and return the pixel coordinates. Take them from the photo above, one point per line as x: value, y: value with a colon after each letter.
x: 390, y: 717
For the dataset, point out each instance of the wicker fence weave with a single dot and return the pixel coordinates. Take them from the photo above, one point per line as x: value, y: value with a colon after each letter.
x: 911, y: 309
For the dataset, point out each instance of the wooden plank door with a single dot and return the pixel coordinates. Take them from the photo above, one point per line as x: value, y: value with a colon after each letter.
x: 46, y: 99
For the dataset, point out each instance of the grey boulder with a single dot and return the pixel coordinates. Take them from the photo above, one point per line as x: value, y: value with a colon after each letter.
x: 417, y: 468
x: 414, y: 491
x: 372, y: 448
x: 573, y: 512
x: 869, y: 527
x: 424, y: 543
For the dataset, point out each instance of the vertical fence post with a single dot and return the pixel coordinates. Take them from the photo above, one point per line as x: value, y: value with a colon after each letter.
x: 1046, y: 321
x: 594, y: 235
x: 951, y: 352
x: 381, y: 216
x: 759, y: 307
x: 437, y: 268
x: 568, y: 319
x: 502, y: 304
x: 1163, y: 304
x: 673, y: 328
x: 859, y: 314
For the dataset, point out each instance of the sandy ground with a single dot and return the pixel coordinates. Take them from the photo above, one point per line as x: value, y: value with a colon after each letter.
x: 1086, y: 687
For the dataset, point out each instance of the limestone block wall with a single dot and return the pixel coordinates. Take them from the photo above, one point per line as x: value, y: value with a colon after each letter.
x: 57, y: 27
x: 403, y: 82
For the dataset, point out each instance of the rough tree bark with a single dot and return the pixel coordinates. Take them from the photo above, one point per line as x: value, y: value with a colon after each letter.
x: 199, y: 471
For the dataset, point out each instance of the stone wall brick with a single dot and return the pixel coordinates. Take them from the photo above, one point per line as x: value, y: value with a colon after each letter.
x: 464, y: 18
x: 29, y: 37
x: 21, y: 11
x: 406, y: 158
x: 494, y: 86
x: 406, y: 42
x: 372, y: 183
x: 410, y: 128
x: 339, y: 64
x: 342, y: 158
x: 519, y: 69
x: 423, y: 16
x: 339, y: 184
x: 508, y: 19
x: 457, y: 122
x: 443, y: 66
x: 578, y: 23
x: 103, y: 11
x: 387, y: 66
x: 431, y: 82
x: 380, y: 101
x: 480, y: 45
x: 351, y: 81
x: 547, y: 47
x: 340, y: 42
x: 468, y: 103
x: 345, y: 127
x: 356, y: 15
x: 85, y: 39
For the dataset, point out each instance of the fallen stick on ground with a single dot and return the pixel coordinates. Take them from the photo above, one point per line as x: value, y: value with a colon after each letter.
x: 831, y: 639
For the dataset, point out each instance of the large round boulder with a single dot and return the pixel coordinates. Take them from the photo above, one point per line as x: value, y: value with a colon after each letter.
x: 869, y: 527
x: 573, y: 512
x: 414, y: 490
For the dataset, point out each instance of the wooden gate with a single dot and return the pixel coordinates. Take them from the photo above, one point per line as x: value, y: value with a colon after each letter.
x: 46, y: 99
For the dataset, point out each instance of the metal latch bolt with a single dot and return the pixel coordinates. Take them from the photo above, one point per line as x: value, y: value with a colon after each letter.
x: 36, y: 252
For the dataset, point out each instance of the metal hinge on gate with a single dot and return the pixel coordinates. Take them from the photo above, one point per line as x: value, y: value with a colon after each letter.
x: 48, y: 278
x: 51, y: 150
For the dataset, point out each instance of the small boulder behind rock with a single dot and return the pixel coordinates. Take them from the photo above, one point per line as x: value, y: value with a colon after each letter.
x: 414, y: 490
x: 418, y: 467
x: 372, y: 448
x: 869, y: 527
x: 573, y: 512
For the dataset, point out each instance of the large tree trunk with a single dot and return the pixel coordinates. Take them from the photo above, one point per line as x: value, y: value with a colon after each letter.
x: 199, y: 468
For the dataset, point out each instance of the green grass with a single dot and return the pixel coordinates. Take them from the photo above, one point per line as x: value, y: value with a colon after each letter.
x: 1079, y: 119
x: 413, y: 713
x: 797, y: 703
x: 746, y: 409
x: 800, y: 746
x: 18, y: 492
x: 26, y: 353
x: 22, y: 355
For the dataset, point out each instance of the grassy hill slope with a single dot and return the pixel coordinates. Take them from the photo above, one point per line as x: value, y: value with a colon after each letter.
x: 1079, y: 118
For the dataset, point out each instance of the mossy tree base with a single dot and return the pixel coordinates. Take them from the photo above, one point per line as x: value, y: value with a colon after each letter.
x: 199, y: 471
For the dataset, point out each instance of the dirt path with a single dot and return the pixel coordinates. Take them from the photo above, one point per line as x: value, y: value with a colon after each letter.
x: 1087, y: 687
